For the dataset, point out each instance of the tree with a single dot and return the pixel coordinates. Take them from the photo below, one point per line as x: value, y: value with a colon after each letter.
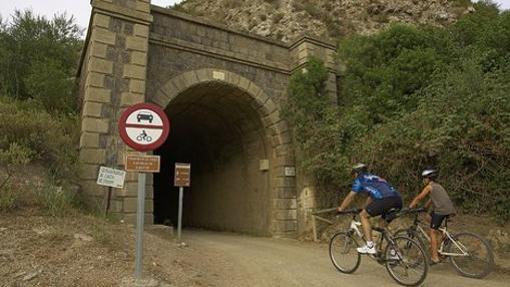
x: 28, y: 44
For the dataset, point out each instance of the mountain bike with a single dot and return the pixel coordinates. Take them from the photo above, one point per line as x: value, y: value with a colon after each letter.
x: 403, y: 257
x: 469, y: 253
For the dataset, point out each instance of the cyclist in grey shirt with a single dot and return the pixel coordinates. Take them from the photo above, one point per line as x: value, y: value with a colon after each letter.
x: 442, y: 208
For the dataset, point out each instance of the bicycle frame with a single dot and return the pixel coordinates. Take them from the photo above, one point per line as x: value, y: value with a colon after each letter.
x: 354, y: 228
x: 446, y: 234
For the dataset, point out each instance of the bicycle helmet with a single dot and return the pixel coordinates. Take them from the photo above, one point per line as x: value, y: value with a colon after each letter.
x: 429, y: 173
x: 359, y: 168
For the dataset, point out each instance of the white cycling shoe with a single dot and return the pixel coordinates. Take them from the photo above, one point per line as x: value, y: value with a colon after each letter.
x: 367, y: 250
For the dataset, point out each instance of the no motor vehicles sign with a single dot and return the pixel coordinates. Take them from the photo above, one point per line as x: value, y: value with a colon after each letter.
x: 144, y: 127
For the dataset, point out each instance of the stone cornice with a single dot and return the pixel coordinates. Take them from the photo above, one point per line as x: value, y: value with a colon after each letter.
x: 122, y: 12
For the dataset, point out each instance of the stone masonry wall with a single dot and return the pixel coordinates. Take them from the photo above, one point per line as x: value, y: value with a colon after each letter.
x: 135, y: 52
x: 113, y: 73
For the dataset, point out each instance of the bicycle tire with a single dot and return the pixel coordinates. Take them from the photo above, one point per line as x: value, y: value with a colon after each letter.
x: 418, y: 237
x: 344, y: 241
x: 410, y: 257
x: 148, y: 138
x: 458, y: 262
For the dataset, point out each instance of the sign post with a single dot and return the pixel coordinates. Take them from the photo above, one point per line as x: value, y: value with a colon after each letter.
x: 144, y: 127
x: 181, y: 179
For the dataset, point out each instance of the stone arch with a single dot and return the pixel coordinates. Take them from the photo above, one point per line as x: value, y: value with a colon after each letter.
x: 282, y: 188
x: 266, y: 107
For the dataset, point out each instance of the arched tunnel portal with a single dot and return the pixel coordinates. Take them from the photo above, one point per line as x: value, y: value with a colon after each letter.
x: 216, y: 127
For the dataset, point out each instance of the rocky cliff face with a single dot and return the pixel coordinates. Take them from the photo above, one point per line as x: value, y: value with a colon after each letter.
x: 288, y: 19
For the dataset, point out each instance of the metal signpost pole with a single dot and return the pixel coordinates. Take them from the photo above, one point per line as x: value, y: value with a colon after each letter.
x: 139, y: 225
x: 179, y: 224
x: 143, y: 127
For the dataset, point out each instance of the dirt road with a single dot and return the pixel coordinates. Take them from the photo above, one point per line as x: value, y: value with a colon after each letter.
x: 236, y: 260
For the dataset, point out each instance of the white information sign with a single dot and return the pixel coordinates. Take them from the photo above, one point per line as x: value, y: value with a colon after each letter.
x: 111, y: 177
x: 290, y: 171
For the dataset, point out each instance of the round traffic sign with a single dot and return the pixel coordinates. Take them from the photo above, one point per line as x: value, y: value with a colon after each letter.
x: 144, y: 127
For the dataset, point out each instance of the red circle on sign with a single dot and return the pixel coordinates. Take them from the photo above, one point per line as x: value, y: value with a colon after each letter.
x: 124, y: 125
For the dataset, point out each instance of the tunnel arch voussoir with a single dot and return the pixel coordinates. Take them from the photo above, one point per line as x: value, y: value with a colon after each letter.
x: 267, y: 108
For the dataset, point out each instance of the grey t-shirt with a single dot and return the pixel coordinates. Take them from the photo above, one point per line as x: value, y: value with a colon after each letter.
x: 442, y: 202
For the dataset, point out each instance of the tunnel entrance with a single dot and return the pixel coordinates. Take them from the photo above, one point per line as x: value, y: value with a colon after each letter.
x: 216, y: 128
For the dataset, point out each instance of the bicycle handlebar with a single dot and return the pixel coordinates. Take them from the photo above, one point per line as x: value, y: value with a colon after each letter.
x: 406, y: 210
x: 350, y: 211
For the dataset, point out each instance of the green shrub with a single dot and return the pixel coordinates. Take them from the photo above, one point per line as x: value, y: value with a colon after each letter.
x: 56, y: 200
x: 50, y: 139
x: 8, y: 198
x: 413, y: 97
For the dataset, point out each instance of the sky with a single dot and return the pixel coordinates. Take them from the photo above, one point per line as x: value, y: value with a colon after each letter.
x: 81, y: 8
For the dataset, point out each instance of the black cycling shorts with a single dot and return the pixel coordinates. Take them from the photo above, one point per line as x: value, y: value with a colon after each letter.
x: 436, y: 220
x: 383, y: 207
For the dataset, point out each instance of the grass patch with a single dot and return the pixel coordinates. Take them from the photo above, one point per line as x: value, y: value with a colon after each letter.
x: 8, y: 199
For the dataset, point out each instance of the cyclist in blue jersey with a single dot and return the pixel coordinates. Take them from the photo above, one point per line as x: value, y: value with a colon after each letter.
x: 382, y: 197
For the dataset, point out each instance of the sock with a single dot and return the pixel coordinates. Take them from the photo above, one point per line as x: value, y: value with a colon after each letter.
x: 370, y: 244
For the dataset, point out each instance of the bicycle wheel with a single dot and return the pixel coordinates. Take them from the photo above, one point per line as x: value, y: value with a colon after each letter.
x: 479, y: 260
x: 406, y: 261
x: 416, y: 236
x: 343, y: 253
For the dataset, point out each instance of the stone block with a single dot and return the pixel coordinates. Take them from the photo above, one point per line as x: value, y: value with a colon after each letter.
x: 160, y: 99
x: 94, y: 125
x: 90, y: 187
x: 134, y: 72
x: 92, y: 109
x: 286, y: 225
x: 130, y: 218
x: 244, y: 84
x: 95, y: 80
x: 286, y: 214
x: 89, y: 140
x: 143, y: 6
x: 97, y: 156
x: 128, y: 99
x: 274, y: 117
x: 286, y: 192
x: 98, y: 49
x: 141, y: 30
x: 101, y: 20
x: 190, y: 79
x: 100, y: 65
x: 103, y: 35
x: 137, y: 86
x: 284, y: 181
x: 137, y: 43
x: 288, y: 203
x: 204, y: 75
x: 130, y: 205
x: 131, y: 189
x: 138, y: 58
x: 89, y: 171
x: 99, y: 95
x: 115, y: 206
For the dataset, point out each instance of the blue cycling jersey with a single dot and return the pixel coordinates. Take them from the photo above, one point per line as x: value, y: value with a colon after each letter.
x: 376, y: 187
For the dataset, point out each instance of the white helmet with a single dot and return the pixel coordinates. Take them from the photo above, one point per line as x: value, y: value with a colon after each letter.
x: 430, y: 173
x: 359, y: 167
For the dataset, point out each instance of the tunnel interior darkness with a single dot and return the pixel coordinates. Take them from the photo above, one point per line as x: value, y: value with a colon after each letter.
x: 216, y: 128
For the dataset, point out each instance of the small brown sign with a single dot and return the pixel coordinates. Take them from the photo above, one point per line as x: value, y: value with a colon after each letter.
x: 182, y: 174
x: 142, y: 163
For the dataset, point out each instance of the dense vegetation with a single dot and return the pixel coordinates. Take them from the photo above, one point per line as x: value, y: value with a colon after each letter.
x: 38, y: 105
x: 414, y: 97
